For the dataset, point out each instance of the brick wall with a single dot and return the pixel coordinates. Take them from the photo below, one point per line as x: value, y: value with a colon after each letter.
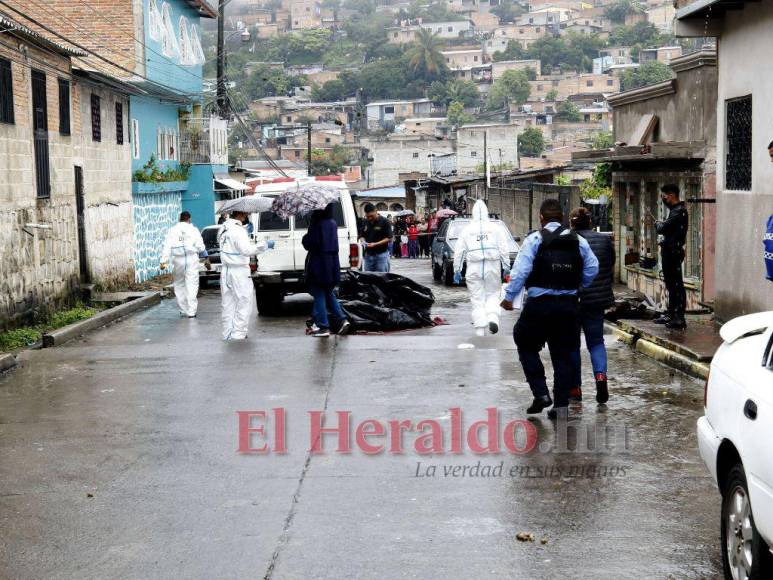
x: 38, y: 267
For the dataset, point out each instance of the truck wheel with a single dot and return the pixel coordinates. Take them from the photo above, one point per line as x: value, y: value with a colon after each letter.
x: 744, y: 552
x: 448, y: 273
x: 269, y: 302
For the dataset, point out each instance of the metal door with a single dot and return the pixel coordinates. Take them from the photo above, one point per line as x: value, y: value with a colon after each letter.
x: 40, y: 131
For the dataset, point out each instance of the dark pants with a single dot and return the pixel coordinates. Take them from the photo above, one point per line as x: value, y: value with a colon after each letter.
x: 671, y: 264
x: 326, y: 301
x: 424, y: 245
x: 552, y: 320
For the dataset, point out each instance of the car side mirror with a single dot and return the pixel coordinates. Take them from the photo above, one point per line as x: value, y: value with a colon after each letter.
x: 517, y: 238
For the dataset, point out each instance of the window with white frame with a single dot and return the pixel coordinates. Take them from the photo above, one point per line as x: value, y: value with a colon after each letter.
x: 169, y: 44
x: 184, y: 42
x: 198, y: 52
x: 154, y: 21
x: 167, y: 144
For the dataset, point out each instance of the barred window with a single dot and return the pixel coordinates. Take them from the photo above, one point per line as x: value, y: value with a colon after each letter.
x: 738, y: 146
x: 96, y: 118
x: 64, y: 107
x: 119, y: 123
x: 6, y: 92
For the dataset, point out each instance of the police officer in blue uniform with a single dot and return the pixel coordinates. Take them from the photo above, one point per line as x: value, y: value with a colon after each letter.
x: 553, y: 264
x: 674, y: 235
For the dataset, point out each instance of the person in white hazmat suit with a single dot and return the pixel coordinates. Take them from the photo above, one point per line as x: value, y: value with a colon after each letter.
x: 484, y: 246
x: 183, y: 244
x: 236, y: 288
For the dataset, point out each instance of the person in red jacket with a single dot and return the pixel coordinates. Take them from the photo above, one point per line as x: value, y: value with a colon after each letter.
x: 413, y: 241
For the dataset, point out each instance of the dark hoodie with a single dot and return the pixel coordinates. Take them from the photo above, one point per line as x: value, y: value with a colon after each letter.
x: 323, y: 269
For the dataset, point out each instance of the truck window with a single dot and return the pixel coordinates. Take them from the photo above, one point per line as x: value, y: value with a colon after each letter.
x: 269, y: 222
x: 302, y: 222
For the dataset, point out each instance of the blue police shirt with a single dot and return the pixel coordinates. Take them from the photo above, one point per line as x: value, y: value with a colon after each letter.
x: 525, y: 261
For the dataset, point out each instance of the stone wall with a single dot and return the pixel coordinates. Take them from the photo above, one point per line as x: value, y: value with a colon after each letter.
x: 154, y: 214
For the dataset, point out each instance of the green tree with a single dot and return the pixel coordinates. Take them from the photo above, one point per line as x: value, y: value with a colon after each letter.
x: 641, y: 33
x: 507, y: 11
x: 329, y: 162
x: 456, y: 114
x: 333, y: 90
x: 443, y: 94
x: 531, y: 143
x: 424, y: 56
x: 618, y: 10
x: 551, y: 95
x: 602, y: 140
x: 649, y: 73
x: 514, y: 51
x: 568, y: 112
x: 511, y: 88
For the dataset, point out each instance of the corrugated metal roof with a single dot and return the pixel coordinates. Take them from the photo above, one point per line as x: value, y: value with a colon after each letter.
x: 11, y: 25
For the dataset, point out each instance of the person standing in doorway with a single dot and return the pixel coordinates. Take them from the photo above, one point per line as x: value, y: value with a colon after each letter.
x: 594, y: 300
x: 236, y: 287
x: 553, y: 264
x: 674, y: 232
x: 376, y: 234
x: 183, y: 244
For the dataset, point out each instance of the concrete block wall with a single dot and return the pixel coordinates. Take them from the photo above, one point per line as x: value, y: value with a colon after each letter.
x: 154, y: 214
x: 109, y: 221
x: 38, y: 267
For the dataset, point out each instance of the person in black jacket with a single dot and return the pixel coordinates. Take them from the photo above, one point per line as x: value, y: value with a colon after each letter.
x: 594, y: 300
x: 674, y: 232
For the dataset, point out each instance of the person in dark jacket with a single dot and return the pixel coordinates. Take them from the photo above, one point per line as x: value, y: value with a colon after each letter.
x: 674, y: 232
x: 594, y: 300
x: 323, y: 271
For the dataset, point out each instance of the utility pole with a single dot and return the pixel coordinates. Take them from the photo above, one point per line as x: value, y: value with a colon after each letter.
x: 308, y: 148
x: 485, y: 162
x: 221, y: 106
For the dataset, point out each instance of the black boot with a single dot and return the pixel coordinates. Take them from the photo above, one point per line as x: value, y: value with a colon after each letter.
x: 538, y: 404
x: 558, y: 413
x: 664, y: 318
x: 602, y: 390
x: 678, y: 323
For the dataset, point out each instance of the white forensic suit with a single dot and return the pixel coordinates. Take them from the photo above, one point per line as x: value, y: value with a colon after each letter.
x: 183, y: 245
x: 236, y: 288
x: 484, y: 246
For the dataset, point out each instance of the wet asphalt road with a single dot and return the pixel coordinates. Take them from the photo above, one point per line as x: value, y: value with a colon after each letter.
x: 118, y: 458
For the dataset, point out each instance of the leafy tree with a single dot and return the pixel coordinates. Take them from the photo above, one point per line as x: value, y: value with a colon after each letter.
x: 618, y: 11
x: 362, y: 7
x: 265, y: 81
x: 575, y: 51
x: 443, y: 94
x: 562, y: 180
x: 602, y: 140
x: 507, y: 11
x: 649, y: 73
x: 514, y: 51
x: 568, y: 112
x: 551, y: 95
x: 384, y: 79
x: 531, y: 74
x: 329, y: 162
x: 511, y: 87
x: 642, y: 33
x: 333, y: 90
x: 531, y: 143
x: 456, y: 114
x: 424, y: 56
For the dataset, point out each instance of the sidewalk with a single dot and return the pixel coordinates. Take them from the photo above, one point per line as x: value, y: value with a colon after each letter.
x: 689, y: 350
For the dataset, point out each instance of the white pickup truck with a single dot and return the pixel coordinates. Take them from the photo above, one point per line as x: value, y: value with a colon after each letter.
x: 280, y: 271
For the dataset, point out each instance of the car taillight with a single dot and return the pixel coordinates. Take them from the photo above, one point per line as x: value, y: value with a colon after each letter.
x: 354, y: 255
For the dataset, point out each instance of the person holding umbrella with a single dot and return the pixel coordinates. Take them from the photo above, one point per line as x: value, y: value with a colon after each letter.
x: 323, y: 272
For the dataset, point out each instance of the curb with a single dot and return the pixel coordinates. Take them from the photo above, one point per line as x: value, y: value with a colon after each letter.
x: 7, y: 361
x: 66, y: 333
x: 678, y: 361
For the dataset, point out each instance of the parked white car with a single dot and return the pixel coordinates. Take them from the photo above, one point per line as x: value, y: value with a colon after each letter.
x: 281, y: 271
x: 735, y: 438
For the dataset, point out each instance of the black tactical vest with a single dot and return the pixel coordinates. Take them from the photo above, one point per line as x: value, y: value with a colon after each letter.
x: 558, y: 263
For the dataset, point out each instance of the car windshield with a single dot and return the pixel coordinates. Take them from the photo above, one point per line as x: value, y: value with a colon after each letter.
x: 209, y: 235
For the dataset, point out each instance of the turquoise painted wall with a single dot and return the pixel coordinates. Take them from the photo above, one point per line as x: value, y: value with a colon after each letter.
x: 154, y: 214
x: 152, y: 115
x: 172, y: 71
x: 200, y: 197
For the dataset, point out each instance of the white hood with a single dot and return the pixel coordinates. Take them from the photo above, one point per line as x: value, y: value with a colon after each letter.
x: 480, y: 211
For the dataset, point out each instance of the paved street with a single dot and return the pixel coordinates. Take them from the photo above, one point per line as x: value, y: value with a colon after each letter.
x: 118, y: 458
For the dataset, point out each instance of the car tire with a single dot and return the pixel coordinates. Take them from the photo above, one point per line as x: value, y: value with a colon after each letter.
x: 437, y: 271
x: 269, y: 302
x: 448, y: 273
x: 744, y: 552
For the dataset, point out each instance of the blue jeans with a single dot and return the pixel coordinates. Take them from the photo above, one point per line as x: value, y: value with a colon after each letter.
x: 377, y: 262
x: 592, y: 323
x: 413, y: 248
x: 324, y: 300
